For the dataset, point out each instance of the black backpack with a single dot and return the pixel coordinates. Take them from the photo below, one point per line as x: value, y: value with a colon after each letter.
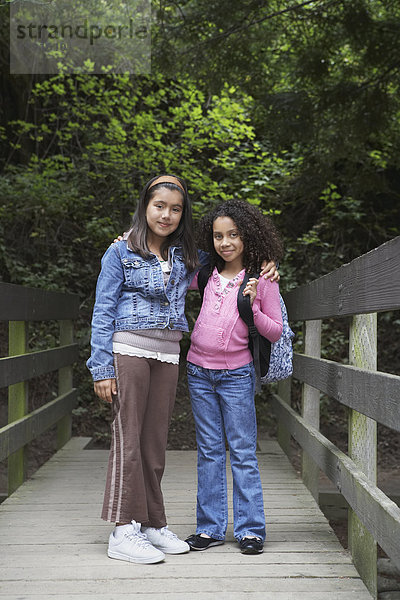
x: 268, y: 369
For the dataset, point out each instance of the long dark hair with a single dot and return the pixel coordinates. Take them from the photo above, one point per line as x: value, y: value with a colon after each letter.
x: 182, y: 236
x: 260, y: 238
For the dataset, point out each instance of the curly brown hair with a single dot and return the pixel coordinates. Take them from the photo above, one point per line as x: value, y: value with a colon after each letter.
x: 260, y: 238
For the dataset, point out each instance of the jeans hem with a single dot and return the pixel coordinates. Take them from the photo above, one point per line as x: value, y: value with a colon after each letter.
x: 250, y: 534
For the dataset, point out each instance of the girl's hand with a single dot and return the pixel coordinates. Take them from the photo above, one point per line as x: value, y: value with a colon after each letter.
x: 251, y: 289
x: 118, y: 239
x: 269, y: 271
x: 105, y: 389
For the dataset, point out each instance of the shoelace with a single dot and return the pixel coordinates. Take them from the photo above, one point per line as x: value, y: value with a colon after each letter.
x: 138, y: 538
x: 165, y: 531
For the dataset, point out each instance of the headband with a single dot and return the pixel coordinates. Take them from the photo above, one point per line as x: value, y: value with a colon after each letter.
x: 167, y: 179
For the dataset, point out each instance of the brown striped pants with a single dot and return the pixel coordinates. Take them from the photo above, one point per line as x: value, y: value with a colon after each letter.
x: 142, y: 412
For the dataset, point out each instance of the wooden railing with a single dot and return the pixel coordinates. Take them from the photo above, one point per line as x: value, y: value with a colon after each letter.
x: 360, y: 289
x: 18, y: 306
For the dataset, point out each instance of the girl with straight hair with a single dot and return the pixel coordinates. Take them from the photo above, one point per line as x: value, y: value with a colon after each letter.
x: 137, y: 324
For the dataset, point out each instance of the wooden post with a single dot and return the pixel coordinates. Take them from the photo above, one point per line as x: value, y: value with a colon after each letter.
x: 311, y: 406
x: 65, y: 383
x: 17, y: 404
x: 363, y: 448
x: 284, y: 391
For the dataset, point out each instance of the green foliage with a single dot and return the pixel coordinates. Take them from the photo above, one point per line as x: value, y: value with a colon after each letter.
x: 294, y: 107
x: 325, y: 82
x: 96, y: 141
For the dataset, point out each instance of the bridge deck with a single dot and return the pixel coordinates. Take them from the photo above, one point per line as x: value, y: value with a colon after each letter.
x: 53, y: 543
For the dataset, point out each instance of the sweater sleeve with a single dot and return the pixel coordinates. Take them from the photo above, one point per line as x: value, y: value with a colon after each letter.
x: 108, y: 289
x: 194, y: 285
x: 267, y: 310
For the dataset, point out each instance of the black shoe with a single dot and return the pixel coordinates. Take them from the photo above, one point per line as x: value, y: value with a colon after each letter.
x: 251, y: 545
x: 197, y: 542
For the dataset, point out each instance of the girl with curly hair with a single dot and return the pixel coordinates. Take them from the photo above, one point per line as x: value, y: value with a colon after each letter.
x: 221, y: 373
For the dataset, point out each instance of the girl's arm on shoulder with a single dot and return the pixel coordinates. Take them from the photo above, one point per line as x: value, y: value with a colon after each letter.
x: 267, y: 310
x: 270, y: 271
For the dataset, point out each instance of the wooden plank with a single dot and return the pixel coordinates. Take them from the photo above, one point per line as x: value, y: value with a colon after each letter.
x: 66, y: 535
x: 95, y: 553
x: 375, y: 510
x: 310, y: 406
x: 363, y: 449
x: 17, y: 405
x: 284, y: 391
x: 14, y: 369
x: 90, y: 558
x: 186, y: 568
x: 302, y: 557
x: 133, y: 584
x: 370, y: 283
x: 19, y: 303
x: 295, y: 519
x: 278, y: 524
x: 231, y: 595
x: 24, y: 430
x: 65, y: 383
x: 372, y: 393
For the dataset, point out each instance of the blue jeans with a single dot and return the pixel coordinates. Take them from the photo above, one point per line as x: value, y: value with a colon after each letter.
x: 223, y: 403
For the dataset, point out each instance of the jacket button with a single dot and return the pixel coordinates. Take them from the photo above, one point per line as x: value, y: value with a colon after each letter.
x: 166, y: 303
x: 172, y: 281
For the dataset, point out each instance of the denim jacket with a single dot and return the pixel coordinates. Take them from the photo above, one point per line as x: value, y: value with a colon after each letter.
x: 131, y: 295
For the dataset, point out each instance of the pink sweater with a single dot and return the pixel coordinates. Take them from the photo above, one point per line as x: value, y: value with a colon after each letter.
x: 220, y: 337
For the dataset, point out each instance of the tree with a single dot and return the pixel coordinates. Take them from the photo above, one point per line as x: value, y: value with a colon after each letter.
x: 96, y: 141
x: 324, y: 77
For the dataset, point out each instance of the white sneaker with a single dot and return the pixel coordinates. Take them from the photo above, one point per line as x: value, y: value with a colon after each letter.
x: 133, y: 546
x: 165, y: 540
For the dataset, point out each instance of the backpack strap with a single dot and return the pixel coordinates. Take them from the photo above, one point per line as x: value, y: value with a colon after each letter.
x: 202, y: 278
x: 246, y: 314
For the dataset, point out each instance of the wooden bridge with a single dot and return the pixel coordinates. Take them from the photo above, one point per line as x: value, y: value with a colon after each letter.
x: 53, y: 544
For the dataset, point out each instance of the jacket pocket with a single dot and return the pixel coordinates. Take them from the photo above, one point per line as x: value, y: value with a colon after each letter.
x: 136, y: 272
